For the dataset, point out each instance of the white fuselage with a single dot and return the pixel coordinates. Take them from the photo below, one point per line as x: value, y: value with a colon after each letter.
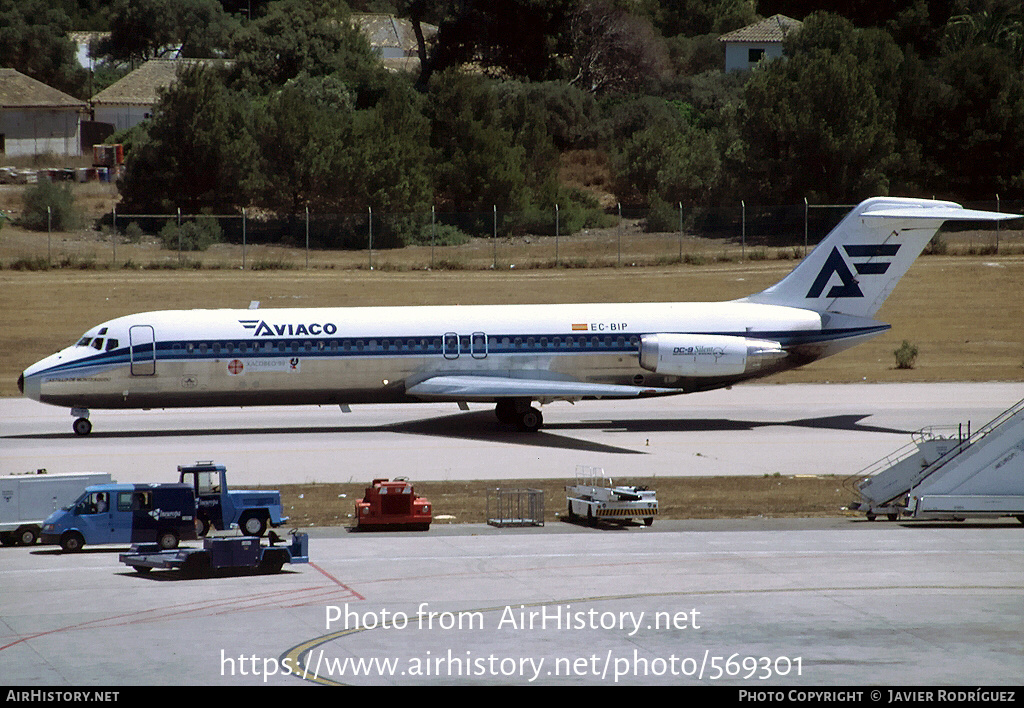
x: 376, y: 354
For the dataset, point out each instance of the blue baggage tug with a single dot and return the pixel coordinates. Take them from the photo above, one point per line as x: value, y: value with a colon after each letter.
x: 239, y: 553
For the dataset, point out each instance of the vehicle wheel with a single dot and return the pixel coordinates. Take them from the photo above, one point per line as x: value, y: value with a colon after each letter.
x: 196, y: 565
x: 82, y: 426
x: 27, y: 536
x: 7, y: 539
x: 649, y: 521
x: 1021, y: 518
x: 892, y: 517
x: 530, y: 420
x: 590, y: 516
x: 167, y: 540
x: 271, y: 562
x: 253, y: 526
x: 871, y: 517
x: 71, y: 542
x: 142, y: 569
x: 202, y: 527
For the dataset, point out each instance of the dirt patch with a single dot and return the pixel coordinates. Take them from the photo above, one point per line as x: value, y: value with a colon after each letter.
x: 678, y: 498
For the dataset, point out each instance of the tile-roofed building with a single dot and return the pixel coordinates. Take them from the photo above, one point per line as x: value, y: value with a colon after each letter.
x: 36, y: 119
x: 131, y: 100
x: 748, y: 45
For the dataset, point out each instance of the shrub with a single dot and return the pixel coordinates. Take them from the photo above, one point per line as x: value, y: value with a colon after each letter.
x: 62, y: 216
x: 906, y: 355
x: 195, y: 235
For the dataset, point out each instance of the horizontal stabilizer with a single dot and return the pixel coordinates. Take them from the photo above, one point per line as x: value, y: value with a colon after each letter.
x: 854, y: 268
x: 489, y: 388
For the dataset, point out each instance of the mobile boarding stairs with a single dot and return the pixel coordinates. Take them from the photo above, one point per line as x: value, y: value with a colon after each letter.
x: 949, y: 476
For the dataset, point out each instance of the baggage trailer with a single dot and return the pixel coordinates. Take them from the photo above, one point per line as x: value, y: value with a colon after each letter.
x: 392, y: 505
x: 27, y: 499
x: 237, y: 553
x: 595, y: 497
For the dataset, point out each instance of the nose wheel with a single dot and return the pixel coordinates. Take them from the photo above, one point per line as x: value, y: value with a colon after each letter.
x: 82, y: 426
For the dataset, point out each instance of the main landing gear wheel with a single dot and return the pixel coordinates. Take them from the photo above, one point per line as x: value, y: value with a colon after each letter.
x: 519, y: 413
x: 530, y: 420
x: 82, y: 426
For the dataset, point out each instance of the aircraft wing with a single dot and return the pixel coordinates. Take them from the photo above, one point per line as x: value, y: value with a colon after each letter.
x: 489, y: 388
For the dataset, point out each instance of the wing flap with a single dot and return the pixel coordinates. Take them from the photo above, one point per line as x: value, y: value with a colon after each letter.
x: 488, y: 388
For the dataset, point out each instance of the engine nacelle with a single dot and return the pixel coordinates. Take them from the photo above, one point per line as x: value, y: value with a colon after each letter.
x: 706, y: 354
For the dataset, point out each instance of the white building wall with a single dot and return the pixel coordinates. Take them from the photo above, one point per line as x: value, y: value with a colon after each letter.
x: 737, y: 54
x: 122, y: 117
x: 29, y: 132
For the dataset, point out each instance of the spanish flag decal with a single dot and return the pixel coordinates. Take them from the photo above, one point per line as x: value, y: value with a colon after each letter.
x: 579, y: 328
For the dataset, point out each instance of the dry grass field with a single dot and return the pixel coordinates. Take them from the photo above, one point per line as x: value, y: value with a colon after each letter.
x: 678, y: 498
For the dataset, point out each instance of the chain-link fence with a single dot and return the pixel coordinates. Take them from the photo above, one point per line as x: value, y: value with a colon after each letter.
x: 481, y: 240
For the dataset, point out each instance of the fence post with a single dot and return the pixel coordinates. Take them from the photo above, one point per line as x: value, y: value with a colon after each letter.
x: 433, y: 234
x: 370, y: 211
x: 307, y: 237
x: 49, y: 222
x: 556, y: 235
x: 494, y: 239
x: 113, y: 220
x: 179, y: 235
x: 743, y: 238
x: 680, y: 232
x: 806, y: 209
x: 243, y: 238
x: 618, y: 259
x: 997, y: 224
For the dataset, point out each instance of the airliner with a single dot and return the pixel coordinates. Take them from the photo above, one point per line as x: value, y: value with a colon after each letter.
x: 513, y: 356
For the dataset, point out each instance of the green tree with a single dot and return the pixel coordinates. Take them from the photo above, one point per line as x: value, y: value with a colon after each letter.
x: 198, y: 152
x: 300, y: 37
x: 33, y: 40
x: 821, y: 123
x: 477, y: 161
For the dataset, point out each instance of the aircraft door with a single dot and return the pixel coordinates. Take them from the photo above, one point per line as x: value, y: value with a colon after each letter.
x: 142, y: 341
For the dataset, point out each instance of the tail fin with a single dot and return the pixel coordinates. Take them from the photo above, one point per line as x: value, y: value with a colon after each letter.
x: 853, y: 270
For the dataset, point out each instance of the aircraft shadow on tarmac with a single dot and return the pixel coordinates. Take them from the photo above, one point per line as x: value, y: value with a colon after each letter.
x: 482, y: 426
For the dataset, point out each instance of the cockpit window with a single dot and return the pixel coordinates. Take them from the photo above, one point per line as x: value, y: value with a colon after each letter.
x: 111, y: 344
x: 97, y: 344
x: 84, y: 342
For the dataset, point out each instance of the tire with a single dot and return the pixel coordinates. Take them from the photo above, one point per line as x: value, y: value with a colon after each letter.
x: 649, y: 521
x: 82, y: 426
x: 196, y: 565
x: 26, y: 536
x: 71, y: 542
x: 167, y: 540
x: 572, y: 514
x: 202, y: 527
x: 871, y: 517
x: 253, y: 525
x: 530, y: 420
x: 271, y: 562
x: 142, y: 569
x: 892, y: 517
x: 7, y: 539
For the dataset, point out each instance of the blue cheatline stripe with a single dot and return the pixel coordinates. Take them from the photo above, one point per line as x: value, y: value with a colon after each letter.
x: 334, y: 348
